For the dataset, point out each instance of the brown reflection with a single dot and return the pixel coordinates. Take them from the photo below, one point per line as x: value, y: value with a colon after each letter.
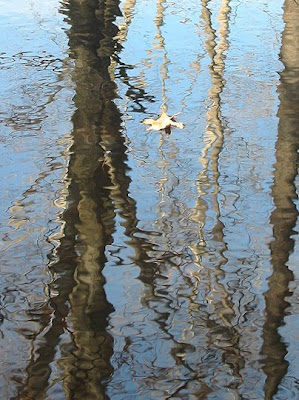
x: 128, y: 12
x: 164, y: 292
x: 77, y: 292
x: 91, y: 44
x: 214, y: 133
x: 221, y: 333
x: 161, y: 46
x: 284, y: 216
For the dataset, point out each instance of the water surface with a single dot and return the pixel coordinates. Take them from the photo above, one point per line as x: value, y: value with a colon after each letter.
x: 138, y: 264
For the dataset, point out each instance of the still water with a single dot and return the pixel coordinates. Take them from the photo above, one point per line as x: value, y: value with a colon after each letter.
x: 137, y: 264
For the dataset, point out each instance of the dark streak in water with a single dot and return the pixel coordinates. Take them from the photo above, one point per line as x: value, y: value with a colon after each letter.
x: 77, y: 292
x: 284, y: 216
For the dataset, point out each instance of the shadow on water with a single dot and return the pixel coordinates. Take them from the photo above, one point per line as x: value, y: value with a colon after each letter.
x: 284, y: 215
x: 97, y: 167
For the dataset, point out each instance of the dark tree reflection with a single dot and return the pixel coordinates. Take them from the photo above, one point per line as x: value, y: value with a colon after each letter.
x: 284, y: 216
x: 77, y: 292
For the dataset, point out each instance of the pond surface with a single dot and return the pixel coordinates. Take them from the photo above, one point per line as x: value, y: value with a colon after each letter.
x: 138, y: 264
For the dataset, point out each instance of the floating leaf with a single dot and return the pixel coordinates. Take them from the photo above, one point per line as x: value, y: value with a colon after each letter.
x: 163, y: 122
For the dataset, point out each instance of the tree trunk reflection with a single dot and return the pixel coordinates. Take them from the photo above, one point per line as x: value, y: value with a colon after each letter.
x: 284, y: 216
x: 78, y: 296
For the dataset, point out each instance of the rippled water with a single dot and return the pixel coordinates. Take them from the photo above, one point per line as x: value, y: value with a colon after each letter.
x: 137, y: 264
